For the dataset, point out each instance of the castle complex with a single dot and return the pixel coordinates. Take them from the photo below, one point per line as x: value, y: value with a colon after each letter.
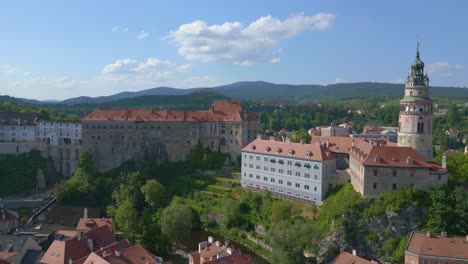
x: 114, y: 136
x: 373, y: 165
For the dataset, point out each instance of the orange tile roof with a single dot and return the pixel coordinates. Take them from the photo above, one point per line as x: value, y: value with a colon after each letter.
x: 129, y: 255
x: 221, y: 110
x: 348, y: 258
x: 60, y: 252
x: 235, y: 258
x: 93, y: 223
x: 335, y: 144
x: 299, y: 151
x: 370, y: 155
x: 436, y: 245
x: 7, y: 255
x: 66, y: 233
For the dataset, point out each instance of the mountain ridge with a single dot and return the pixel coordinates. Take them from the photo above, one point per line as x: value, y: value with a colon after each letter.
x: 261, y: 90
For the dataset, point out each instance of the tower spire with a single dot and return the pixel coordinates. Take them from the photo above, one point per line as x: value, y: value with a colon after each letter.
x: 417, y: 50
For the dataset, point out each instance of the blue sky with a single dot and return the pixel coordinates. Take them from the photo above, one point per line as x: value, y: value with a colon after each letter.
x: 63, y: 49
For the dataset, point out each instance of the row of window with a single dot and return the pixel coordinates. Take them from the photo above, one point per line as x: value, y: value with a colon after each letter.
x: 281, y: 161
x: 281, y: 171
x: 282, y: 192
x: 280, y: 181
x: 13, y: 134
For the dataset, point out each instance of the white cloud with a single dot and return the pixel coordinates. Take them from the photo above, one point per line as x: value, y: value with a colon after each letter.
x: 340, y: 80
x: 118, y: 29
x: 275, y: 60
x: 443, y: 68
x: 151, y: 64
x: 242, y: 45
x: 120, y: 66
x: 184, y: 68
x: 142, y: 35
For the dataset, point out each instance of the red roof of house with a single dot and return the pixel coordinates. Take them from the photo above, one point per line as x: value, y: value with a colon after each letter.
x: 221, y: 110
x: 235, y: 258
x: 93, y: 223
x: 368, y: 154
x: 335, y: 144
x: 60, y: 252
x: 129, y: 255
x: 348, y: 258
x: 436, y: 245
x: 289, y: 150
x: 5, y: 256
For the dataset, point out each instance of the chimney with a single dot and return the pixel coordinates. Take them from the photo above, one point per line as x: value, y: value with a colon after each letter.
x: 90, y: 244
x: 302, y: 141
x: 288, y: 139
x: 428, y: 234
x: 259, y: 136
x: 117, y: 253
x: 327, y: 144
x: 444, y: 160
x: 354, y: 252
x: 85, y: 214
x: 210, y: 240
x: 272, y: 138
x: 218, y: 244
x: 443, y: 234
x: 229, y: 251
x: 70, y: 261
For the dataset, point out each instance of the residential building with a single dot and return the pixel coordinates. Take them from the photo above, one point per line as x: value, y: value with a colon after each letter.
x: 8, y: 218
x: 122, y: 254
x: 342, y: 130
x: 117, y: 135
x: 25, y: 249
x: 18, y: 127
x: 427, y: 248
x: 296, y: 170
x: 211, y: 252
x: 348, y: 258
x: 88, y: 224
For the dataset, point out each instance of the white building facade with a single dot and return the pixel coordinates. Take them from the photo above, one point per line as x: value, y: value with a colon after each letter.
x: 59, y: 132
x: 299, y: 171
x: 17, y: 127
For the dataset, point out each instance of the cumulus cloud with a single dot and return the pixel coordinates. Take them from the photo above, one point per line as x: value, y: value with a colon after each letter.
x: 121, y: 75
x: 118, y: 29
x: 244, y: 45
x: 275, y: 60
x: 184, y: 68
x: 142, y: 35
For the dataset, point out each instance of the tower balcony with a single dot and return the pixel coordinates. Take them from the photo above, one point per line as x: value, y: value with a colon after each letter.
x: 415, y: 113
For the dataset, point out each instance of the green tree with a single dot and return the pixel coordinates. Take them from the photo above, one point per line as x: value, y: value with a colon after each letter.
x: 231, y: 214
x: 126, y: 218
x: 453, y: 116
x: 151, y: 236
x: 301, y: 135
x: 176, y: 222
x: 280, y: 210
x: 290, y: 240
x: 153, y: 192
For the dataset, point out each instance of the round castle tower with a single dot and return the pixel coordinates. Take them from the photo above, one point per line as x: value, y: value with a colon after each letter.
x: 415, y: 120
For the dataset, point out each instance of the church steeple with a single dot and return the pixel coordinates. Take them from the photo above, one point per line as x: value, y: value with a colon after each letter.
x: 417, y: 78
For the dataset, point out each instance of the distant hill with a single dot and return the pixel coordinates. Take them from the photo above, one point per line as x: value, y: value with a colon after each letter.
x: 260, y: 90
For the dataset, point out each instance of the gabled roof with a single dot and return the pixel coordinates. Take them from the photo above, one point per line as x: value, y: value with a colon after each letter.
x: 348, y: 258
x: 221, y: 110
x: 93, y: 223
x: 128, y: 255
x: 289, y: 150
x: 335, y: 144
x: 437, y: 245
x: 61, y: 251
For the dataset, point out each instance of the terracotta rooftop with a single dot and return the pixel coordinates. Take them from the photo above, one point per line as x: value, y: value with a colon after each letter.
x: 335, y: 144
x: 5, y: 256
x: 93, y: 223
x: 129, y: 255
x: 289, y: 150
x: 60, y: 252
x: 221, y: 110
x: 348, y: 258
x: 68, y: 216
x: 437, y: 245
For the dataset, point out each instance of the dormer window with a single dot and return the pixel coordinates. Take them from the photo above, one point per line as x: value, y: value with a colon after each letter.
x: 278, y: 151
x: 267, y: 149
x: 252, y: 147
x: 409, y: 160
x: 290, y: 152
x: 308, y: 154
x: 377, y: 158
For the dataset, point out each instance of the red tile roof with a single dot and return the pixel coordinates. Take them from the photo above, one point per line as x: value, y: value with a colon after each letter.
x: 93, y: 223
x: 129, y: 255
x: 289, y: 150
x: 60, y: 252
x: 221, y: 110
x: 370, y: 155
x: 436, y: 245
x: 7, y: 255
x: 335, y: 144
x: 348, y: 258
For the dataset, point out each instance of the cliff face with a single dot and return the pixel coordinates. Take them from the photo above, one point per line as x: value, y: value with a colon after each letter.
x: 375, y: 230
